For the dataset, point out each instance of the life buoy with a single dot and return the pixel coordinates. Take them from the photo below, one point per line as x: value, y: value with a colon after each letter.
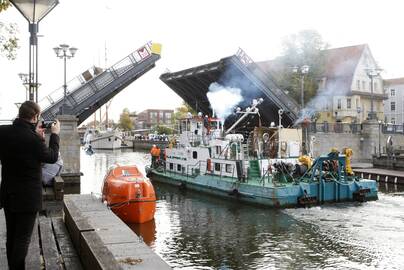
x: 209, y: 164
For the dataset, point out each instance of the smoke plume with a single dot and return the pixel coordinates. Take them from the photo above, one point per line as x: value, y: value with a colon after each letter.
x: 223, y: 99
x: 337, y: 84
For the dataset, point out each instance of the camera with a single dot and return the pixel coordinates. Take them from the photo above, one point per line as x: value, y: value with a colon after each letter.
x: 47, y: 124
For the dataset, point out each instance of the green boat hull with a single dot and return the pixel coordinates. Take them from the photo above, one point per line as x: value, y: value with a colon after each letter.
x: 269, y: 194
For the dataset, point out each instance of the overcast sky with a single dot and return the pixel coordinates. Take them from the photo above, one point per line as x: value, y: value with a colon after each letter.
x: 192, y: 33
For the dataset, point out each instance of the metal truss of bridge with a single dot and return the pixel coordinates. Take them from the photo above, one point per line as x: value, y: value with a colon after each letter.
x: 93, y: 88
x: 237, y: 71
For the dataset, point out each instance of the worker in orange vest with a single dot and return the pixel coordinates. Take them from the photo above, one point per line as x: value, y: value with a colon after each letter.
x: 155, y: 154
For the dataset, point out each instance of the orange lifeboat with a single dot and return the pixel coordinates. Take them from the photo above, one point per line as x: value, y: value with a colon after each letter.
x: 129, y: 194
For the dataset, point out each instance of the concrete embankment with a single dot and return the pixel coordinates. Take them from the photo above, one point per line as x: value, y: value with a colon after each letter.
x: 102, y: 240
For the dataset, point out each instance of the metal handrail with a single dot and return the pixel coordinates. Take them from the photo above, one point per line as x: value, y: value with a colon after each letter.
x: 134, y: 58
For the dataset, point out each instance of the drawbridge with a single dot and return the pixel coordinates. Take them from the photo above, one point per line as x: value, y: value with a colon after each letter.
x: 238, y: 71
x: 93, y: 88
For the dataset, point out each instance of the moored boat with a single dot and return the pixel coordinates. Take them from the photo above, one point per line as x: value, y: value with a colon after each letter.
x: 129, y: 194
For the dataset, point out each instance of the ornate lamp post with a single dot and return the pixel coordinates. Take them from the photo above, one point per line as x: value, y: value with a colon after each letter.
x: 372, y: 72
x: 34, y: 11
x: 302, y: 71
x: 65, y: 52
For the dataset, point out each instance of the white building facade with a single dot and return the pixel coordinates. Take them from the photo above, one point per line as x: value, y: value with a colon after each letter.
x: 394, y: 105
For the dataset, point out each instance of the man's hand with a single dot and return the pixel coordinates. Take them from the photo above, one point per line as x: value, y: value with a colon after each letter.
x: 40, y: 131
x: 56, y: 127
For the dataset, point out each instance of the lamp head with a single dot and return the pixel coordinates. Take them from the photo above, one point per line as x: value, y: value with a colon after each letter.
x: 73, y: 51
x: 57, y: 50
x: 34, y: 11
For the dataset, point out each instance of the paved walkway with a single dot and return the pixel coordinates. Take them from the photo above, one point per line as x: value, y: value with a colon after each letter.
x: 50, y: 248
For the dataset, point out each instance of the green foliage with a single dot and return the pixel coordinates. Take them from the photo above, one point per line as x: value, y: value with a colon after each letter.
x: 8, y: 39
x: 125, y: 123
x: 4, y: 4
x: 182, y: 111
x: 304, y: 48
x: 163, y: 130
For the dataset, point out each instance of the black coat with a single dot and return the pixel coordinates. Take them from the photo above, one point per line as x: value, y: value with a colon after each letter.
x: 21, y: 152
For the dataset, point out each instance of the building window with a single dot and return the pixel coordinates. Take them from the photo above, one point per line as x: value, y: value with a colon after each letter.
x: 229, y: 168
x: 153, y: 117
x: 392, y: 106
x: 348, y: 103
x: 339, y: 104
x: 393, y: 120
x: 217, y: 167
x: 363, y: 85
x: 392, y: 92
x: 375, y: 86
x: 171, y: 166
x: 194, y: 155
x: 168, y: 117
x: 358, y: 84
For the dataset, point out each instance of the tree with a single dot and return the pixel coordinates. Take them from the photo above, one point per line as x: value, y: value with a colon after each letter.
x: 182, y: 111
x: 125, y: 122
x: 8, y: 39
x: 163, y: 130
x: 304, y: 48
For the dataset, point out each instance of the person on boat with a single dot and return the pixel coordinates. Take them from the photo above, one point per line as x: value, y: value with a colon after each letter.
x: 22, y: 152
x: 155, y: 155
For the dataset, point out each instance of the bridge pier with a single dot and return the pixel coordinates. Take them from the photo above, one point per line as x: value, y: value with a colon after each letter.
x: 70, y: 152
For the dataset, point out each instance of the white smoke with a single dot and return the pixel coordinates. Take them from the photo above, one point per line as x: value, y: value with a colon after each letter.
x: 223, y: 99
x: 324, y: 97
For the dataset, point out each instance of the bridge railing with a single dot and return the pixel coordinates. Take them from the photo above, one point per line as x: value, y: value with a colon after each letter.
x: 93, y: 80
x: 335, y: 128
x: 5, y: 122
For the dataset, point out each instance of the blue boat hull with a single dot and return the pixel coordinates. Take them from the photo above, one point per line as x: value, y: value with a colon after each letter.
x: 288, y: 195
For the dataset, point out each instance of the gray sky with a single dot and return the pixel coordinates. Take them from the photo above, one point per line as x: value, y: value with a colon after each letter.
x: 192, y: 33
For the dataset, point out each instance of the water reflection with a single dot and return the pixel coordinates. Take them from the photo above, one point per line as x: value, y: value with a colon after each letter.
x: 146, y: 230
x: 196, y: 231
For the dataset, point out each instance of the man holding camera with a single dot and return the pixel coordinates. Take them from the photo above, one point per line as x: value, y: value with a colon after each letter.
x: 22, y: 150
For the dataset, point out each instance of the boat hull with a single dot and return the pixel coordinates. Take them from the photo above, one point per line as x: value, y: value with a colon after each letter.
x: 136, y: 211
x: 129, y: 194
x: 289, y: 195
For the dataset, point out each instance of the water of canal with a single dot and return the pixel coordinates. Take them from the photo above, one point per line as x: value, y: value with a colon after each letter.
x: 196, y: 231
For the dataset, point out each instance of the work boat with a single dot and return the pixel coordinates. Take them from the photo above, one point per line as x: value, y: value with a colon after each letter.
x: 129, y: 194
x: 266, y: 169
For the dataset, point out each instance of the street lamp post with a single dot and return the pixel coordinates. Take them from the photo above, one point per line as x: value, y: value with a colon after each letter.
x: 380, y: 128
x: 34, y: 11
x: 372, y: 72
x: 302, y: 71
x: 64, y: 52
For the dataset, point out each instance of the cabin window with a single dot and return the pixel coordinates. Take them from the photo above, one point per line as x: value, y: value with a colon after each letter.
x: 109, y: 139
x: 229, y: 168
x: 393, y: 106
x: 217, y: 167
x: 196, y: 132
x: 194, y: 155
x: 218, y: 150
x: 171, y: 166
x: 116, y: 139
x: 179, y: 167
